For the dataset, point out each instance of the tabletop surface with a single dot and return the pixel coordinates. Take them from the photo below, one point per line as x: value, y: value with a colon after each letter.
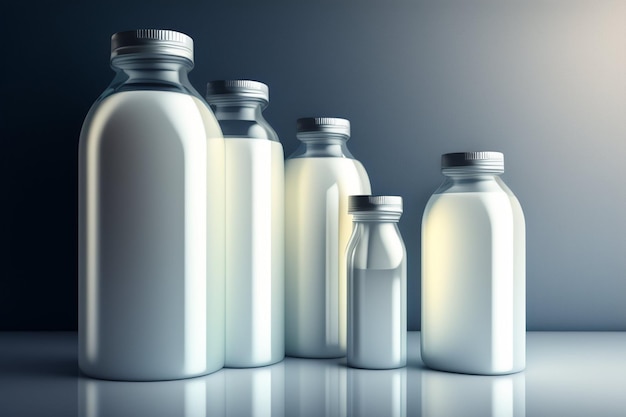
x: 567, y: 374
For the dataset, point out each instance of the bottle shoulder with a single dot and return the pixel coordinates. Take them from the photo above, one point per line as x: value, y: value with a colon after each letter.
x: 348, y: 174
x: 486, y: 184
x: 473, y: 193
x: 144, y: 112
x: 318, y: 163
x: 457, y: 210
x: 323, y: 148
x: 377, y: 245
x: 248, y: 129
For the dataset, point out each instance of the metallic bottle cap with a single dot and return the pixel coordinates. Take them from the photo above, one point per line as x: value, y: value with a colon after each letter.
x: 475, y: 161
x: 221, y: 90
x: 152, y: 42
x: 330, y: 125
x: 375, y: 203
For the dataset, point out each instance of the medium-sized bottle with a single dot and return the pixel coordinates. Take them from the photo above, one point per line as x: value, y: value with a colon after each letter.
x: 376, y: 262
x: 151, y: 218
x: 319, y: 177
x: 255, y: 206
x: 473, y: 270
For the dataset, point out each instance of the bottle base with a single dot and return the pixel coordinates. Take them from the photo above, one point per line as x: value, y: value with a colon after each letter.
x: 245, y: 364
x: 375, y: 367
x: 127, y: 378
x: 471, y: 371
x: 126, y: 375
x: 306, y: 355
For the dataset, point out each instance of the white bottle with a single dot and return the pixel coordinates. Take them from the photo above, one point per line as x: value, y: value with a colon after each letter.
x: 151, y: 235
x: 319, y: 177
x: 376, y: 262
x: 255, y: 205
x: 473, y: 270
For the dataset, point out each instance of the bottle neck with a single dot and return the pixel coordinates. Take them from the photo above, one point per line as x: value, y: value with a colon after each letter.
x: 138, y: 71
x: 250, y: 110
x: 470, y: 181
x: 470, y: 176
x: 469, y: 172
x: 375, y: 217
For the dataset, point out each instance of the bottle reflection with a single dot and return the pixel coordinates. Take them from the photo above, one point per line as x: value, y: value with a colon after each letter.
x: 315, y: 387
x: 377, y: 393
x: 195, y: 397
x: 255, y: 392
x: 449, y: 394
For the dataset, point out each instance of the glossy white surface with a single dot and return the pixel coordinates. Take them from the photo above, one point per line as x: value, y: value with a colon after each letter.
x: 255, y: 232
x: 473, y: 279
x: 317, y: 230
x: 570, y: 374
x: 376, y: 260
x: 151, y: 238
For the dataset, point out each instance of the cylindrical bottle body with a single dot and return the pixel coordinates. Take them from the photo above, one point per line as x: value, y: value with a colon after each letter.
x: 318, y: 228
x: 376, y: 263
x: 254, y: 252
x: 255, y: 205
x: 151, y: 236
x: 473, y: 278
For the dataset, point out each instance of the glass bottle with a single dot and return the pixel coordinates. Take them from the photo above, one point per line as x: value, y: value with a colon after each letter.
x: 376, y: 262
x: 151, y: 235
x: 319, y: 177
x: 473, y: 270
x: 255, y: 205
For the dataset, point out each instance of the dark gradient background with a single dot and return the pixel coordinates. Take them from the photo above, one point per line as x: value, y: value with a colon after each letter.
x: 542, y: 81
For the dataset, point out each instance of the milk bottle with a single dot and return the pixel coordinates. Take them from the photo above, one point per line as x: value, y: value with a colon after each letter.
x: 473, y: 270
x: 319, y: 177
x: 255, y: 205
x: 376, y: 259
x: 151, y: 214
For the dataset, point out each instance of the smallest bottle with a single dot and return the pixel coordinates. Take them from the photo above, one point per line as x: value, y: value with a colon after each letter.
x: 376, y: 263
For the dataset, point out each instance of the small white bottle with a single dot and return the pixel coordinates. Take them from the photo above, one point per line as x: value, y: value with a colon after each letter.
x: 376, y: 262
x: 255, y: 205
x: 473, y: 270
x: 151, y: 218
x: 319, y: 177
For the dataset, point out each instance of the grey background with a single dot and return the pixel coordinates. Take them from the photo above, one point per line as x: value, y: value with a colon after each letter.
x: 542, y: 81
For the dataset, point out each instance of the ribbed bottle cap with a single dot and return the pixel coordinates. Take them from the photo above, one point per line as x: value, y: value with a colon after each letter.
x: 479, y: 161
x: 375, y: 203
x: 332, y: 125
x: 152, y: 41
x: 230, y: 89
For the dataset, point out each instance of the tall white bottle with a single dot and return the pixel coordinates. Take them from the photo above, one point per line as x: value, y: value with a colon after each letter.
x: 255, y: 201
x: 151, y: 214
x: 319, y: 177
x: 473, y: 270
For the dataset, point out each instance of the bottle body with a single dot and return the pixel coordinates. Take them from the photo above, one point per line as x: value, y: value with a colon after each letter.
x: 376, y: 264
x: 255, y: 204
x: 254, y: 252
x: 473, y: 277
x: 151, y: 267
x: 318, y: 228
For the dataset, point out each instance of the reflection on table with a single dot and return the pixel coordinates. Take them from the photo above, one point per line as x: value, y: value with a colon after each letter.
x: 449, y: 394
x: 568, y: 374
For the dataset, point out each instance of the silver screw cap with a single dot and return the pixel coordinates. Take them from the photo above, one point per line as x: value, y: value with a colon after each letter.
x: 478, y: 161
x: 330, y: 125
x: 375, y: 203
x: 227, y: 90
x: 152, y: 42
